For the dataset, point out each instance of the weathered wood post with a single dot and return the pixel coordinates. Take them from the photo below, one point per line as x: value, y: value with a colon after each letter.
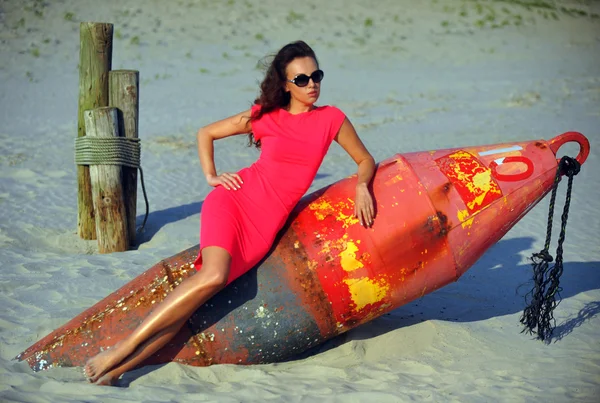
x: 123, y: 94
x: 95, y: 59
x: 107, y: 187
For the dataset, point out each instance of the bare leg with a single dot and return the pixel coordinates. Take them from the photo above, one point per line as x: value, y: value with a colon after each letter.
x: 140, y: 354
x: 177, y: 307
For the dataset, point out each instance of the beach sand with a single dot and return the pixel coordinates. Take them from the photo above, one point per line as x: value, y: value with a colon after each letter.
x: 411, y: 76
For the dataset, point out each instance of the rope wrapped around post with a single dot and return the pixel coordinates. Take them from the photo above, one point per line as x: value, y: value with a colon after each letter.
x: 112, y: 151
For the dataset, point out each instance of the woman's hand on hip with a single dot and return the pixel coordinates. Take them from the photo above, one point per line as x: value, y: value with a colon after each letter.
x: 228, y: 180
x: 363, y: 206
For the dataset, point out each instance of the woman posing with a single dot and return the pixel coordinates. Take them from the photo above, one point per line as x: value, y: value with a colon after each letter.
x: 243, y: 214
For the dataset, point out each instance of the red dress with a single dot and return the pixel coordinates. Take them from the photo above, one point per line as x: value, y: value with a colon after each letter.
x: 246, y: 221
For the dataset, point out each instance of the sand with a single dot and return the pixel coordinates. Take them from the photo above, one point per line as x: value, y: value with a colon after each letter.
x: 410, y: 76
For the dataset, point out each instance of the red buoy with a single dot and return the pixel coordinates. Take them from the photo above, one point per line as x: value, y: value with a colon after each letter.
x: 437, y: 213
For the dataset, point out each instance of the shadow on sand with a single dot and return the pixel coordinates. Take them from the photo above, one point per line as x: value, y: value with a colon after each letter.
x: 158, y: 219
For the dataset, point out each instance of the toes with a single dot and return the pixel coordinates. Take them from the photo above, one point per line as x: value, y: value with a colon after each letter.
x: 88, y: 376
x: 88, y: 370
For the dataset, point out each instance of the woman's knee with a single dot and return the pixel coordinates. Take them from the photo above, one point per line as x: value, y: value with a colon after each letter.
x: 210, y: 279
x: 218, y: 278
x: 216, y: 264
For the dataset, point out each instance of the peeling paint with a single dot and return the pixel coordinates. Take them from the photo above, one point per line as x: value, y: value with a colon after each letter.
x: 323, y: 208
x: 472, y: 180
x: 347, y: 220
x: 463, y: 217
x: 348, y: 259
x: 482, y: 184
x: 365, y: 291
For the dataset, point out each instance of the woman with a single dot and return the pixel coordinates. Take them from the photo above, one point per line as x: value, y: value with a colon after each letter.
x: 242, y: 215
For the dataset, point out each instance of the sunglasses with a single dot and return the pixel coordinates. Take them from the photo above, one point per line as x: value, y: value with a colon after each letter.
x: 302, y: 80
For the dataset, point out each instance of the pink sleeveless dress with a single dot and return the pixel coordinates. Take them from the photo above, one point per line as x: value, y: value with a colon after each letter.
x: 246, y: 221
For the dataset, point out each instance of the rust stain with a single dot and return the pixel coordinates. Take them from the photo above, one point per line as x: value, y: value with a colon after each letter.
x: 438, y: 224
x: 130, y: 89
x: 305, y: 283
x: 133, y: 304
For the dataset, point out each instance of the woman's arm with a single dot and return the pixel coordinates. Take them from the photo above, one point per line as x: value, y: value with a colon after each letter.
x: 363, y: 204
x: 237, y: 124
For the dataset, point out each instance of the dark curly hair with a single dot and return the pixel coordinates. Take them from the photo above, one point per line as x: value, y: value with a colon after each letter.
x: 272, y: 93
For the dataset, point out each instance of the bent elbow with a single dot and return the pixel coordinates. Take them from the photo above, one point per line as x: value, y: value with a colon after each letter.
x: 202, y: 134
x: 367, y: 160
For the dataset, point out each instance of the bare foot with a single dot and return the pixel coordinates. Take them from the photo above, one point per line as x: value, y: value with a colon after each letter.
x: 100, y: 364
x: 107, y: 380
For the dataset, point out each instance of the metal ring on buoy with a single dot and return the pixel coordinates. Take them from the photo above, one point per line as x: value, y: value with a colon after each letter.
x: 584, y: 144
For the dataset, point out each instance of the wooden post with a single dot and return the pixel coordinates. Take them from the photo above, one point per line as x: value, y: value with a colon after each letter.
x: 95, y: 58
x: 107, y: 187
x: 123, y: 94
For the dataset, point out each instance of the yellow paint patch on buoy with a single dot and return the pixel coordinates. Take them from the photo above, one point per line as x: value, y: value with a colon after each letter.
x: 463, y: 217
x: 322, y: 208
x: 481, y: 186
x: 348, y: 257
x: 482, y: 180
x: 461, y: 154
x: 472, y: 180
x: 365, y: 291
x: 346, y: 219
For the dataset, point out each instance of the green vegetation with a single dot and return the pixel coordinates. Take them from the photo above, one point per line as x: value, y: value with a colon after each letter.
x: 36, y: 7
x: 294, y: 17
x: 20, y: 23
x: 544, y: 7
x: 484, y: 14
x: 359, y: 40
